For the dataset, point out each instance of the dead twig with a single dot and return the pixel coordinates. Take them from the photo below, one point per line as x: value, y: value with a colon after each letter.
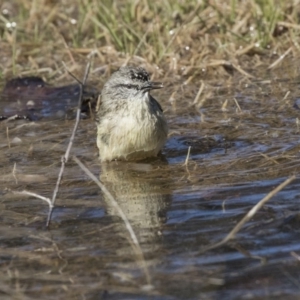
x: 7, y: 136
x: 120, y: 213
x: 65, y: 157
x: 71, y: 74
x: 34, y: 195
x: 249, y: 215
x: 237, y: 105
x: 14, y: 173
x: 222, y: 62
x: 187, y: 157
x: 281, y: 57
x: 199, y: 94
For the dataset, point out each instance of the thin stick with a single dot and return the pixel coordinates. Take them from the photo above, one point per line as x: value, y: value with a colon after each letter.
x: 110, y: 197
x: 222, y: 62
x: 71, y: 74
x: 187, y: 157
x: 34, y: 195
x: 250, y: 214
x: 14, y: 172
x: 269, y: 158
x: 7, y: 136
x: 65, y: 158
x: 119, y: 211
x: 63, y: 163
x: 237, y: 105
x: 239, y: 69
x: 14, y: 117
x: 281, y: 57
x: 199, y: 92
x: 98, y: 103
x: 78, y: 112
x: 224, y: 105
x: 286, y: 95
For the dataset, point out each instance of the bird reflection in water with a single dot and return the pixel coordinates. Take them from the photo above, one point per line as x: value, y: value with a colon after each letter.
x: 139, y: 190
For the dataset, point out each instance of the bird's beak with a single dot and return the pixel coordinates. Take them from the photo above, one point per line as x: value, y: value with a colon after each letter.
x: 152, y: 85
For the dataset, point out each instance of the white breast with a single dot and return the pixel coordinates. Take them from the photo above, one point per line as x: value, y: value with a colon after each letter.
x: 136, y: 132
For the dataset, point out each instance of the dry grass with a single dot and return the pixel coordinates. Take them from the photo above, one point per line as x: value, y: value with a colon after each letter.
x: 187, y: 38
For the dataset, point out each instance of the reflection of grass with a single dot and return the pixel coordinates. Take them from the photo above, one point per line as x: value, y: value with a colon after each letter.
x: 177, y: 35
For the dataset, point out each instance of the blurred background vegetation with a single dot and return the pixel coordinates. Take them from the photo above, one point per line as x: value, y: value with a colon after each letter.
x: 182, y: 37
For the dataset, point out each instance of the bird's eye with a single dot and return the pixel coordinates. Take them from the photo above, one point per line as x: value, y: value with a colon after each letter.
x: 128, y: 86
x: 132, y: 86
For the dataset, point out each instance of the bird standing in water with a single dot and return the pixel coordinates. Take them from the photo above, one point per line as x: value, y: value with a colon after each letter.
x: 130, y: 122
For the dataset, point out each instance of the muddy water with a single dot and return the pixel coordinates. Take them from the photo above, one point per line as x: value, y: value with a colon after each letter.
x: 238, y: 155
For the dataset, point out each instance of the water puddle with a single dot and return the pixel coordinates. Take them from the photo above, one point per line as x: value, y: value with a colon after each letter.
x: 240, y: 150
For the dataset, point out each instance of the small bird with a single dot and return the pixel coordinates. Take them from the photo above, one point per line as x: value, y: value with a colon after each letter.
x: 130, y: 122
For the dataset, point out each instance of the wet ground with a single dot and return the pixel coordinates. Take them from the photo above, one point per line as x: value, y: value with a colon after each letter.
x: 240, y: 151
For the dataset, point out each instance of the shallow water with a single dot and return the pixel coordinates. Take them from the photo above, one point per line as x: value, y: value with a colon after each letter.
x: 237, y: 157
